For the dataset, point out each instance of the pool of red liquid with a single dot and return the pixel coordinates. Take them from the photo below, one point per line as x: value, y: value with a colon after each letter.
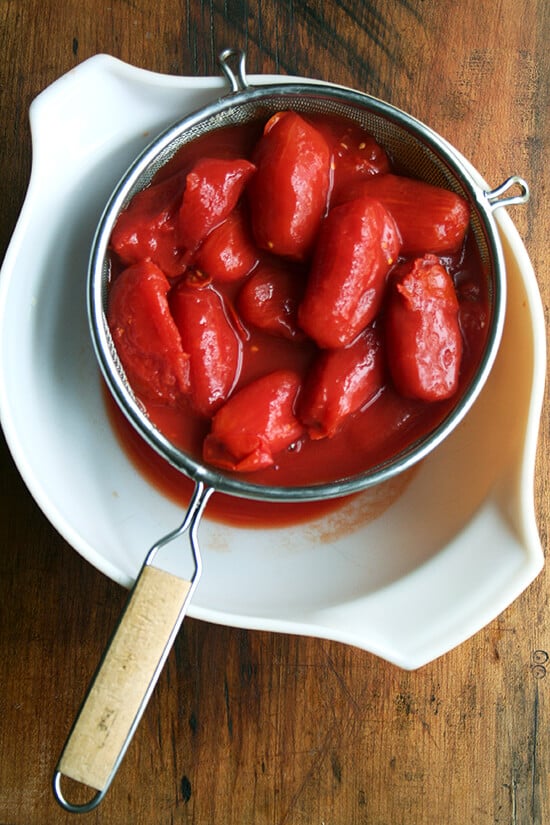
x: 238, y: 512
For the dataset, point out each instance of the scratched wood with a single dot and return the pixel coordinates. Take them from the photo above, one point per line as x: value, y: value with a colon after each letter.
x: 249, y: 727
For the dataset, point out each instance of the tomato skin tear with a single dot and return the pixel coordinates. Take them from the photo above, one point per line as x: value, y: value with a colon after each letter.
x: 145, y: 335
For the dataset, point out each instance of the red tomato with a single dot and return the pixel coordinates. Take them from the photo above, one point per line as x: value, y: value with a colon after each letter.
x: 429, y: 218
x: 212, y: 343
x: 145, y: 335
x: 270, y: 298
x: 357, y: 244
x: 213, y: 187
x: 228, y: 252
x: 288, y: 193
x: 147, y: 229
x: 340, y: 382
x: 423, y: 339
x: 355, y: 155
x: 255, y: 424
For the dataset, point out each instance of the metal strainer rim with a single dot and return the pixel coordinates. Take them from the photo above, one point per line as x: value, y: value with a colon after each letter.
x: 130, y: 406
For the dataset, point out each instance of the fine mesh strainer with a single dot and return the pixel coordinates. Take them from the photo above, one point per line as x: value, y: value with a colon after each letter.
x: 138, y: 649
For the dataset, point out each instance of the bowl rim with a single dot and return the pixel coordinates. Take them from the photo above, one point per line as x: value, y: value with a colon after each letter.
x: 426, y: 638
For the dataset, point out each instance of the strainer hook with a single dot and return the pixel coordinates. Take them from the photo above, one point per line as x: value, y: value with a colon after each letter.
x: 494, y: 195
x: 237, y: 79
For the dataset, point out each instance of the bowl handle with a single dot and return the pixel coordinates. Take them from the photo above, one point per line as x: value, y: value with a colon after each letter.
x: 131, y: 665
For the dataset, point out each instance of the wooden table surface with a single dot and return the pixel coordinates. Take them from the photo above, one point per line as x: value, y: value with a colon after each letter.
x: 250, y: 727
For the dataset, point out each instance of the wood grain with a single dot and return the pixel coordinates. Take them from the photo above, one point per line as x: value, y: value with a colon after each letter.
x: 250, y: 727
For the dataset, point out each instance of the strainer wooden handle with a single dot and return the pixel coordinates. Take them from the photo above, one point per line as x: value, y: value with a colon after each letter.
x: 128, y: 672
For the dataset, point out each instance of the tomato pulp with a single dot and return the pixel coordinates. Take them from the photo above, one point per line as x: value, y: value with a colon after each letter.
x: 266, y: 334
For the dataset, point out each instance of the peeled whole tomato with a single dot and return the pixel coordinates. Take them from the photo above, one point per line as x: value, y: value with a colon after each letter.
x: 211, y: 341
x: 429, y: 218
x: 212, y: 190
x: 255, y: 424
x: 145, y: 336
x: 288, y: 193
x: 228, y: 253
x: 270, y: 298
x: 147, y: 230
x: 423, y: 338
x: 340, y: 382
x: 358, y: 242
x: 356, y: 155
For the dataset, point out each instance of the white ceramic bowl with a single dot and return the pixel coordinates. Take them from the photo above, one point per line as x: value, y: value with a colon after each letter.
x: 452, y: 551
